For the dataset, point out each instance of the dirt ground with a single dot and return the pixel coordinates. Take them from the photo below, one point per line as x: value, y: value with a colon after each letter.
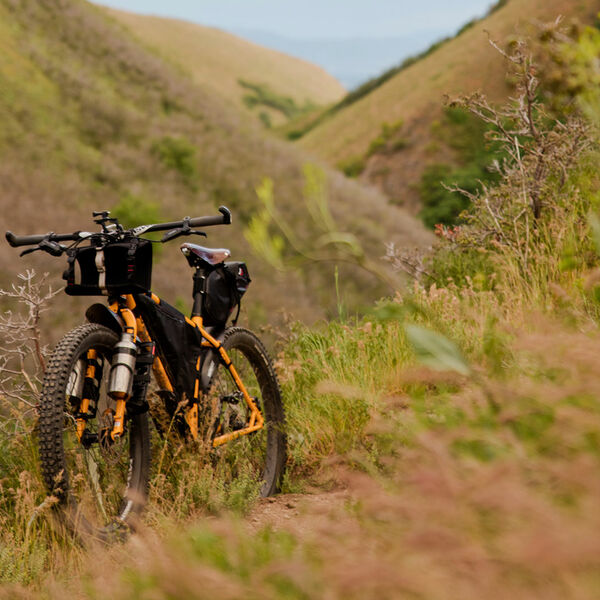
x: 297, y: 512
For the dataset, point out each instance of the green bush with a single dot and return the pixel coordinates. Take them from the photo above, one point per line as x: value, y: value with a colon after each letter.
x: 177, y: 153
x: 262, y: 95
x: 352, y: 167
x: 265, y: 119
x: 466, y: 135
x: 133, y: 211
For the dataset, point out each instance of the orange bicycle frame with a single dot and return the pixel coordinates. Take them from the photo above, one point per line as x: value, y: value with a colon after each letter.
x: 124, y: 309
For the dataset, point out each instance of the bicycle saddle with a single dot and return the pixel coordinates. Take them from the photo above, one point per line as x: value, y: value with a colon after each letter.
x: 213, y: 256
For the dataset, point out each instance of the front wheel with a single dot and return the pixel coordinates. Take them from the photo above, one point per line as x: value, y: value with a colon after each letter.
x: 261, y: 455
x: 100, y: 484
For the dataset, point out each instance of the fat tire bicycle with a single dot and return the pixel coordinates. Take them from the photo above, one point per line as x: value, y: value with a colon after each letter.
x: 214, y: 382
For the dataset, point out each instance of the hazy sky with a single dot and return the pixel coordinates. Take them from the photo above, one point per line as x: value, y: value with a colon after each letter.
x: 318, y: 18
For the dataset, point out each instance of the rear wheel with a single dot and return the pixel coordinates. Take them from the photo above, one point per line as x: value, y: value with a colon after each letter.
x: 261, y: 455
x: 101, y: 485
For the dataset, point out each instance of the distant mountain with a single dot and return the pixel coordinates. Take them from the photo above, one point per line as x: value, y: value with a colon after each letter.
x: 350, y: 60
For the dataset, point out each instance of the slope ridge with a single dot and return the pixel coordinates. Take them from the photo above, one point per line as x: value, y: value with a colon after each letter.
x: 412, y: 100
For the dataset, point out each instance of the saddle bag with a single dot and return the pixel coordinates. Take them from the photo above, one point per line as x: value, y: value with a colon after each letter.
x: 224, y: 289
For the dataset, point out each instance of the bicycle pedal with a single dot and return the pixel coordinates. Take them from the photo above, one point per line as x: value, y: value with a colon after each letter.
x: 88, y: 439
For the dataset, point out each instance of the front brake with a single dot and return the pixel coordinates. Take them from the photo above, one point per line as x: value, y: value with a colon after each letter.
x: 53, y: 248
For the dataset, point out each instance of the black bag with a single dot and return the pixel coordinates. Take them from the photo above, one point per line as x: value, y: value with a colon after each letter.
x: 225, y: 287
x: 114, y: 269
x: 178, y: 343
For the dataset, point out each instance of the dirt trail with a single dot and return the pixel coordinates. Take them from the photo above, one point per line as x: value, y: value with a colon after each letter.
x: 299, y: 513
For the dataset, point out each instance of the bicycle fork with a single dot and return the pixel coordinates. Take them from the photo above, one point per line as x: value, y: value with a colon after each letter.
x: 122, y: 371
x: 129, y: 375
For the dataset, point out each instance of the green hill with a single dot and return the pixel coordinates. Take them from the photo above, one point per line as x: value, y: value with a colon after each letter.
x: 229, y: 66
x: 91, y: 119
x: 386, y: 132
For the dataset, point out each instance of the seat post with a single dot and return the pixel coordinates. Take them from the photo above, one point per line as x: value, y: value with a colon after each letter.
x: 199, y: 291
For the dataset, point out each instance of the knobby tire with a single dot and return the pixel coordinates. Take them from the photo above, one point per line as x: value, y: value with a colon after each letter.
x: 117, y: 475
x: 267, y: 447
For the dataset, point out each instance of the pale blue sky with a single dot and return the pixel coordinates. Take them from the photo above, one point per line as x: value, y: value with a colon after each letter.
x: 318, y: 18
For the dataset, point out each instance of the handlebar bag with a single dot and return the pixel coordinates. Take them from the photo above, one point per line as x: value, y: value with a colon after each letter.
x: 113, y: 269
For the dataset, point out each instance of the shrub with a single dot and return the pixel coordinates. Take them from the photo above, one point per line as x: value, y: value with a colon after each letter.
x: 441, y: 205
x: 352, y: 167
x: 265, y: 119
x: 177, y: 153
x: 381, y: 143
x: 133, y: 211
x: 466, y: 135
x: 533, y: 223
x: 262, y: 95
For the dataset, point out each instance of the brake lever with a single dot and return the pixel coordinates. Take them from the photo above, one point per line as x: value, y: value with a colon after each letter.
x: 175, y: 233
x: 171, y: 235
x: 52, y: 248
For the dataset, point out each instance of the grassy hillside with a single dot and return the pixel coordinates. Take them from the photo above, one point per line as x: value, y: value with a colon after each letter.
x: 219, y: 61
x: 408, y: 104
x: 446, y: 445
x: 90, y: 119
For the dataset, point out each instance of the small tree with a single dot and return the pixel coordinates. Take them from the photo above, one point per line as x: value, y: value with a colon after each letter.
x: 540, y: 150
x: 22, y: 353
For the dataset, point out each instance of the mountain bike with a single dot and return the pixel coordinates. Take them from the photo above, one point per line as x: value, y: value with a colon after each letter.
x: 213, y: 383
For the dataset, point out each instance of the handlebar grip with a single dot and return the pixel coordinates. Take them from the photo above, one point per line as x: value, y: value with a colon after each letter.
x: 23, y: 240
x: 223, y: 219
x: 32, y: 240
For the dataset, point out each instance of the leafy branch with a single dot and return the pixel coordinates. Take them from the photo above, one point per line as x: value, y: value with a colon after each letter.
x: 540, y: 150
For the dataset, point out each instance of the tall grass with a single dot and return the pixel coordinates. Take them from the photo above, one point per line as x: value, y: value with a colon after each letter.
x: 479, y: 484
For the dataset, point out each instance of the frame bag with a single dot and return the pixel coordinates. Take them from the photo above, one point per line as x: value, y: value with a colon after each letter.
x: 179, y: 344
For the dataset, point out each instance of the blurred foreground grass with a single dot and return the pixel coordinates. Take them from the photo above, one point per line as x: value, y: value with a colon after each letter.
x: 476, y: 485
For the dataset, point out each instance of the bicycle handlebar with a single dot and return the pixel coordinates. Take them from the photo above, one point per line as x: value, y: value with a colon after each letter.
x: 30, y: 240
x: 223, y: 219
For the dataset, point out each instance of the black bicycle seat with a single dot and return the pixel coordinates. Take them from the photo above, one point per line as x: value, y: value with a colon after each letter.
x: 213, y: 256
